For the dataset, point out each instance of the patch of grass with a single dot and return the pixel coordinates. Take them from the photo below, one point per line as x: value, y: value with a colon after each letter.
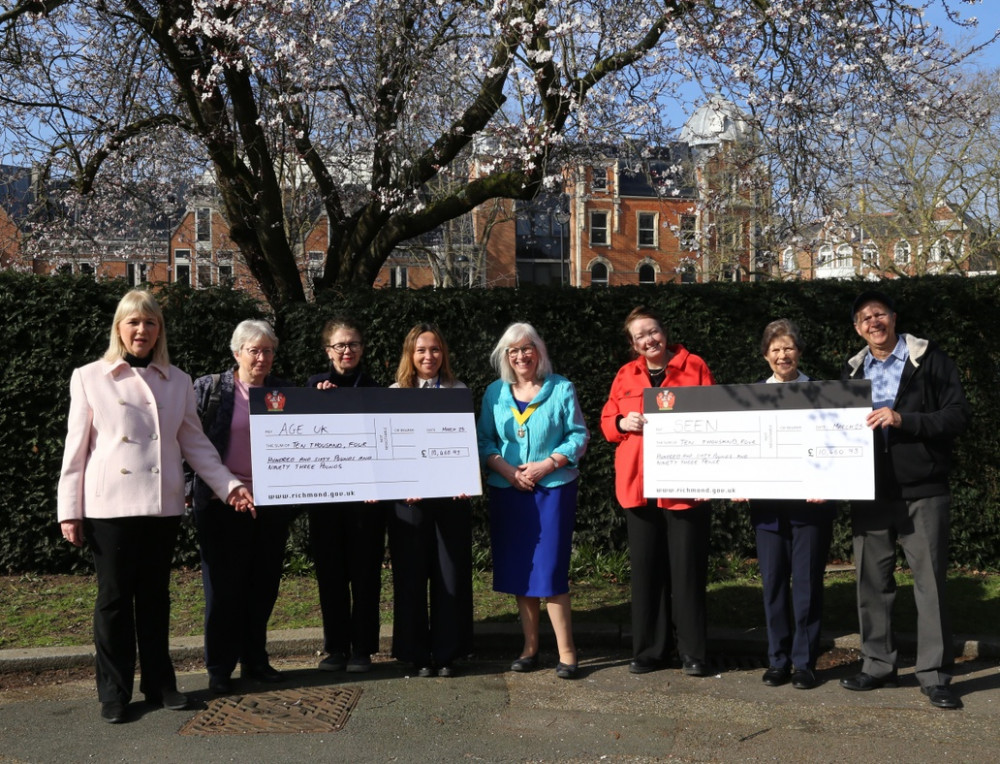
x: 43, y: 611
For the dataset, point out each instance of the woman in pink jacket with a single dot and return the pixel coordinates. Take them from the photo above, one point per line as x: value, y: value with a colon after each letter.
x: 667, y: 539
x: 132, y: 422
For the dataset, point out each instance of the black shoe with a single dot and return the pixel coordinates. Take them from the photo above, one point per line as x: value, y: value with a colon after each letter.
x: 525, y: 663
x: 220, y: 685
x: 693, y: 666
x: 803, y: 679
x: 175, y: 701
x: 644, y: 665
x: 113, y: 711
x: 333, y: 662
x: 863, y: 682
x: 263, y: 672
x: 426, y: 671
x: 776, y: 676
x: 447, y: 671
x: 941, y: 696
x: 359, y: 664
x: 567, y: 670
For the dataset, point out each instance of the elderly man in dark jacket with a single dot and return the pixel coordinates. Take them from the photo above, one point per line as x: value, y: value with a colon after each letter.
x: 918, y: 408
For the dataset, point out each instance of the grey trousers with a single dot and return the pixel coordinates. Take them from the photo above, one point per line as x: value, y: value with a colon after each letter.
x: 920, y: 526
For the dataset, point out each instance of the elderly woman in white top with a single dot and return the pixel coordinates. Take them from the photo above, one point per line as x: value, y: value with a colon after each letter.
x: 430, y: 542
x: 132, y: 423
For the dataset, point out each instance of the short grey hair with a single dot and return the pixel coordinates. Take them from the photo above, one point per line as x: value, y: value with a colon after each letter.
x: 250, y: 330
x: 514, y: 335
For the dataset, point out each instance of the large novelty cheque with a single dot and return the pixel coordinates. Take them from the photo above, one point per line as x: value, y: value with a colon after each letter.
x: 313, y: 446
x: 800, y: 440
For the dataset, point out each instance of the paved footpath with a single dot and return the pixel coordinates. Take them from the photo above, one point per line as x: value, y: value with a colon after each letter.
x: 488, y: 714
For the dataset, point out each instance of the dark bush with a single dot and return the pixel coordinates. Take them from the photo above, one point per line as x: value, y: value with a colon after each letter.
x: 721, y: 322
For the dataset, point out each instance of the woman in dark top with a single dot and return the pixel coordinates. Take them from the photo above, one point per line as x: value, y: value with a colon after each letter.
x: 793, y: 542
x: 242, y: 556
x: 347, y: 539
x: 430, y: 542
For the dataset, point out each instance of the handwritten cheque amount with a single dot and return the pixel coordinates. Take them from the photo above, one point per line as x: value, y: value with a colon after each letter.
x: 759, y: 452
x: 337, y: 457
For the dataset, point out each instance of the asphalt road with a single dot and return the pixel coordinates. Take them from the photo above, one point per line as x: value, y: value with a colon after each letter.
x: 488, y: 714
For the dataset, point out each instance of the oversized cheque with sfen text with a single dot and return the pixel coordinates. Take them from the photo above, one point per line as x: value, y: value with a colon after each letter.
x: 797, y: 440
x: 312, y: 446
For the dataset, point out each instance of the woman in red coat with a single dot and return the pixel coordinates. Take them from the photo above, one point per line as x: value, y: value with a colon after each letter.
x: 668, y: 539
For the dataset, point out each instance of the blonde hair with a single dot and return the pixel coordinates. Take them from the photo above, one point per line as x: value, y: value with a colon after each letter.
x: 137, y: 302
x: 519, y: 332
x: 406, y: 374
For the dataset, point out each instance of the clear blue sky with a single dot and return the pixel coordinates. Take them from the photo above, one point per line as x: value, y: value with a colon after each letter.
x: 988, y: 13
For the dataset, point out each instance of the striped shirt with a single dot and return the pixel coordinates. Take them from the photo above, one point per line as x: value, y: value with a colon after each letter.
x: 885, y: 375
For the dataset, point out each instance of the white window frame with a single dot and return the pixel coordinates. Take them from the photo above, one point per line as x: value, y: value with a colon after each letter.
x: 203, y: 225
x: 844, y: 256
x: 652, y: 230
x: 869, y: 254
x: 789, y: 261
x: 687, y: 233
x: 902, y: 252
x: 605, y: 228
x: 136, y: 273
x: 398, y: 277
x: 599, y: 180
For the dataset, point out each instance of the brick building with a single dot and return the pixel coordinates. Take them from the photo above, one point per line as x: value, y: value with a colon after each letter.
x: 673, y: 214
x: 890, y: 245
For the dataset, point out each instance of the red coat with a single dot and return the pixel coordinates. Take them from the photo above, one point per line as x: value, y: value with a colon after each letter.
x: 683, y: 370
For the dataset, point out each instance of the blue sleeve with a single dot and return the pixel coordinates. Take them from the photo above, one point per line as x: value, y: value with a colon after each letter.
x: 576, y: 435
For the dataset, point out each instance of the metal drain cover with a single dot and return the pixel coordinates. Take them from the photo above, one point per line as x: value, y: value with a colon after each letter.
x: 311, y: 709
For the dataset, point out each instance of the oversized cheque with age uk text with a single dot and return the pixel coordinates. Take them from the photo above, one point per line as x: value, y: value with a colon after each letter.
x: 313, y: 446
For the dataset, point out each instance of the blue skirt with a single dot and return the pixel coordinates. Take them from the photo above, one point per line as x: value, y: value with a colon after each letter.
x: 531, y: 533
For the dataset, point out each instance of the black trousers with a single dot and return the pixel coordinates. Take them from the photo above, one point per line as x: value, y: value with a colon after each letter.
x: 241, y: 564
x: 348, y: 548
x: 430, y: 544
x: 668, y: 550
x: 132, y: 557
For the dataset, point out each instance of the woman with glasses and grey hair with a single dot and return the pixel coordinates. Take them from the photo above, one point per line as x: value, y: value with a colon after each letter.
x: 347, y: 539
x: 241, y: 556
x: 531, y: 438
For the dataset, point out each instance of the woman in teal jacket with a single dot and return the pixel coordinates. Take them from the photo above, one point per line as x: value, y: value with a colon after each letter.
x: 531, y: 437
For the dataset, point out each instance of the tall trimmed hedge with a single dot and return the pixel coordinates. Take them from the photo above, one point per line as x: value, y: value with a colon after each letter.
x: 53, y: 324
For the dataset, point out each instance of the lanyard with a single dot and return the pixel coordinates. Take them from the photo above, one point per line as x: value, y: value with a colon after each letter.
x: 522, y: 418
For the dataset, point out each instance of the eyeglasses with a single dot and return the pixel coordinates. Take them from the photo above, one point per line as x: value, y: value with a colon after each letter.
x: 259, y: 352
x: 342, y: 347
x: 525, y: 350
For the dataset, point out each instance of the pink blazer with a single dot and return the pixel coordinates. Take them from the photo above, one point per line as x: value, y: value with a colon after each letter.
x: 128, y: 432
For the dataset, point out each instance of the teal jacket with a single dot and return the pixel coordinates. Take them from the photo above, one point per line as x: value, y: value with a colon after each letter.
x: 555, y: 427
